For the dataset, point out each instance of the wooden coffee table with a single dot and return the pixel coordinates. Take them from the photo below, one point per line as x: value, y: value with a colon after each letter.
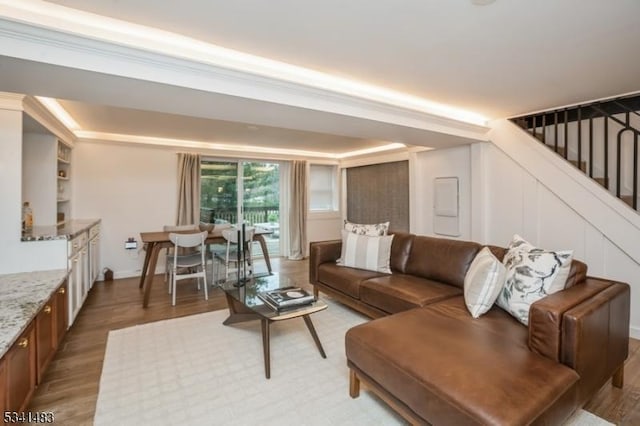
x: 245, y: 305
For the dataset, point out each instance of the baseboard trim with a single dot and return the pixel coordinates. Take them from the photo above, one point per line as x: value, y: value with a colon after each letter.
x: 129, y: 274
x: 634, y: 332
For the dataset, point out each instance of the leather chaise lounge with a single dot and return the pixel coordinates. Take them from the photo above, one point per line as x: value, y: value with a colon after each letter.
x: 433, y: 363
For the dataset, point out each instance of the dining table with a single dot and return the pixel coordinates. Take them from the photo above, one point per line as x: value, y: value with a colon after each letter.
x: 157, y: 240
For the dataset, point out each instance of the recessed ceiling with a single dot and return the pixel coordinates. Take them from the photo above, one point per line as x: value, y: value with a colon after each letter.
x: 127, y: 121
x: 503, y: 59
x: 499, y: 60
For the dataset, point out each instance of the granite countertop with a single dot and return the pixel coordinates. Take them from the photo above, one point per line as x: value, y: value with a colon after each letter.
x: 68, y: 231
x: 22, y: 295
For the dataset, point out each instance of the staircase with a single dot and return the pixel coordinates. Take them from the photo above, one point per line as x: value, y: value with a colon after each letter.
x: 599, y: 138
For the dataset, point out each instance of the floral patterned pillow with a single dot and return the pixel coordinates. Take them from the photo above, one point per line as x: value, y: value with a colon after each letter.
x: 532, y: 273
x: 371, y: 230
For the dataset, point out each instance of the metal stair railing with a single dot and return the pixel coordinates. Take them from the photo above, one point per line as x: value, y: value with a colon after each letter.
x: 545, y: 125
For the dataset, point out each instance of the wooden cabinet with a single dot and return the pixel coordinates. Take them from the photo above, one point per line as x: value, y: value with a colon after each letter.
x: 61, y: 316
x: 24, y: 364
x: 45, y: 345
x: 51, y: 326
x: 3, y: 388
x: 20, y: 362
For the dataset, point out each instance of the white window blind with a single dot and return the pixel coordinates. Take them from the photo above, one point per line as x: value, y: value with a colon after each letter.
x: 322, y: 188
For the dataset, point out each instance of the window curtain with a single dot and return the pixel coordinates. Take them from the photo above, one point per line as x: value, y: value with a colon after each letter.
x: 298, y: 211
x: 188, y: 189
x: 285, y: 203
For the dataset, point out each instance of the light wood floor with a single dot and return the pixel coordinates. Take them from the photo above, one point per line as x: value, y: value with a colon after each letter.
x: 70, y: 385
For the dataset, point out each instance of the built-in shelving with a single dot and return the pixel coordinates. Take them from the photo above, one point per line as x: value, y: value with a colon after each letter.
x: 64, y: 185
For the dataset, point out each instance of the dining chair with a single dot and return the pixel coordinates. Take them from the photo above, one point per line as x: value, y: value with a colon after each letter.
x: 190, y: 265
x: 174, y: 228
x: 230, y: 255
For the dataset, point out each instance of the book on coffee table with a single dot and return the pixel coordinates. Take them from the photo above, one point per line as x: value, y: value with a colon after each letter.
x: 286, y: 297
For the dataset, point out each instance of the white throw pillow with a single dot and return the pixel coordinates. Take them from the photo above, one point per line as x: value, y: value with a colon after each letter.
x: 365, y: 252
x: 372, y: 230
x: 483, y: 282
x: 532, y: 273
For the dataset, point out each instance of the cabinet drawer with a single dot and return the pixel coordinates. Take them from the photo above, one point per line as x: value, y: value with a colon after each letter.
x: 76, y: 244
x: 95, y: 230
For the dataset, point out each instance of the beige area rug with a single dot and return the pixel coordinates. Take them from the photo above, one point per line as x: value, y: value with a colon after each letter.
x: 194, y: 370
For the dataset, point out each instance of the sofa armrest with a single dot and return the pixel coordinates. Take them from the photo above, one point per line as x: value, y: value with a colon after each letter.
x: 595, y: 338
x: 322, y: 252
x: 545, y: 316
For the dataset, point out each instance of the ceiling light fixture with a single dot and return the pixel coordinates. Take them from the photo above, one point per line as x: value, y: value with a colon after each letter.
x: 482, y: 2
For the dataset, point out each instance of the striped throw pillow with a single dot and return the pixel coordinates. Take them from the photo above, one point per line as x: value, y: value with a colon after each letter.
x: 366, y: 252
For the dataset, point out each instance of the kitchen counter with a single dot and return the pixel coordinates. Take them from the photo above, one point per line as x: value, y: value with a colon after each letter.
x: 68, y: 231
x: 22, y: 296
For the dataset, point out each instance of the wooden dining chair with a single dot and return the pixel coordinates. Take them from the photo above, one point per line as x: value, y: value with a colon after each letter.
x: 191, y: 265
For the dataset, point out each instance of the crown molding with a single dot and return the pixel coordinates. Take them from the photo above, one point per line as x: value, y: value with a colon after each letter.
x: 37, y: 42
x: 11, y: 101
x: 234, y: 150
x: 40, y: 113
x: 37, y: 111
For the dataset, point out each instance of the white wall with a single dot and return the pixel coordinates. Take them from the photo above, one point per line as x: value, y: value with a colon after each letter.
x: 15, y: 255
x: 516, y: 185
x: 323, y: 226
x: 39, y: 171
x: 531, y: 192
x: 424, y: 168
x: 132, y: 188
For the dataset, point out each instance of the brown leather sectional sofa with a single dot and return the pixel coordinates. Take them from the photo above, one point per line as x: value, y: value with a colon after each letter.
x: 433, y: 363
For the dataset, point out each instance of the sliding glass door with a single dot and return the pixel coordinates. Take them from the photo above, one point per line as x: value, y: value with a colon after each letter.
x: 237, y: 191
x: 219, y: 192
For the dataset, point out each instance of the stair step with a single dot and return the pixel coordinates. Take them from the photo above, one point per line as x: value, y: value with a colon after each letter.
x: 559, y: 151
x: 604, y: 181
x: 628, y: 199
x: 539, y: 136
x: 582, y: 166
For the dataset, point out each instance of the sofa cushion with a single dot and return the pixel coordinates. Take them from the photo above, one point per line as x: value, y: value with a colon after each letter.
x: 399, y: 292
x: 459, y: 371
x: 400, y: 251
x: 483, y: 282
x: 441, y: 259
x: 532, y: 273
x: 496, y: 320
x: 345, y: 280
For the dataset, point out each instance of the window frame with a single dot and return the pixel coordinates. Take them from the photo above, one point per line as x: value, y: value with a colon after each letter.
x: 334, y: 210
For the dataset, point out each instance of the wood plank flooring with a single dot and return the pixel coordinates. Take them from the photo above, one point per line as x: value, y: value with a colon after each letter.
x: 70, y: 385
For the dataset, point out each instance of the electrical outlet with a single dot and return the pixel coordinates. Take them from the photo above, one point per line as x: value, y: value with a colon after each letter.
x: 131, y: 244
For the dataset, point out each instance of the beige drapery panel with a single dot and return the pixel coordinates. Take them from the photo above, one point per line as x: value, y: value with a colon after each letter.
x: 298, y: 211
x: 188, y: 189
